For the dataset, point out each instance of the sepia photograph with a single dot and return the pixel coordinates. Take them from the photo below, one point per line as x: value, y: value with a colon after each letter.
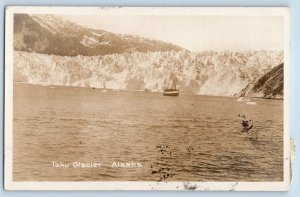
x: 146, y: 98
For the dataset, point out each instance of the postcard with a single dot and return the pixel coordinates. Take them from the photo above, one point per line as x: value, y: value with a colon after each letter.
x: 147, y: 98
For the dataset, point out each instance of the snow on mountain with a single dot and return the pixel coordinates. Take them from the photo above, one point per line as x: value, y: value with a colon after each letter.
x: 207, y: 73
x: 92, y: 42
x: 52, y: 34
x: 99, y: 35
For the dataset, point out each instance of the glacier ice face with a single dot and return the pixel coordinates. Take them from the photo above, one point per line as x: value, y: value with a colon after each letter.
x: 207, y: 73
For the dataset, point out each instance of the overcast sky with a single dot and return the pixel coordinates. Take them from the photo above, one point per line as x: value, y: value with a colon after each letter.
x: 196, y: 33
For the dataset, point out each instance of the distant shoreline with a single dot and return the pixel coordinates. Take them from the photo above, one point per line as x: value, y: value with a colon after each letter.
x: 116, y: 90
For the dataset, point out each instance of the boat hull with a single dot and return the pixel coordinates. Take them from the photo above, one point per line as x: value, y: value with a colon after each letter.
x: 171, y: 93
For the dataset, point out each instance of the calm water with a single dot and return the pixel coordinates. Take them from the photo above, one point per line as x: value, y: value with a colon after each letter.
x: 195, y: 138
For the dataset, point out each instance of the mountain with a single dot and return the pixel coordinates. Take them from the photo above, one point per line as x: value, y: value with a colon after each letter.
x: 51, y: 34
x: 207, y: 73
x: 268, y: 86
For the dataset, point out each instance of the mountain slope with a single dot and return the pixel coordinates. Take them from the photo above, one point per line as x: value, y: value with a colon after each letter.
x: 268, y: 86
x: 51, y: 34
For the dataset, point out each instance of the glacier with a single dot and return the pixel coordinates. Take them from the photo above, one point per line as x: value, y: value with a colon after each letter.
x: 219, y: 73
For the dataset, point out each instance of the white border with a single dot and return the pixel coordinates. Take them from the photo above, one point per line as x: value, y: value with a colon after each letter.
x: 9, y: 184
